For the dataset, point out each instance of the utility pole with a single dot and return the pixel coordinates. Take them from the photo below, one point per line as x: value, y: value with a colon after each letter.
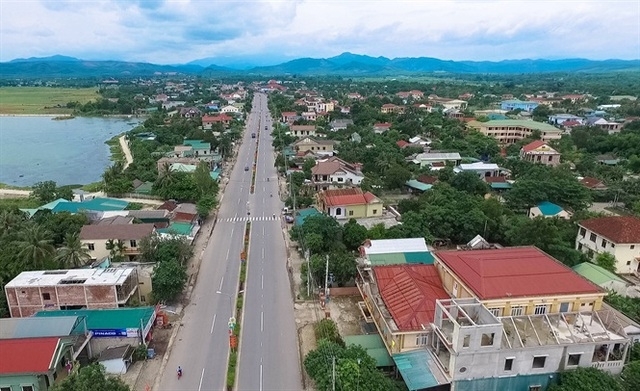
x: 306, y: 257
x: 333, y: 373
x: 326, y: 282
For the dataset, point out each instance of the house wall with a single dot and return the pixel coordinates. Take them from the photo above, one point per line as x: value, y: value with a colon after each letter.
x: 627, y: 255
x: 503, y: 306
x: 115, y: 366
x: 535, y: 212
x: 548, y: 159
x: 347, y: 177
x: 100, y: 248
x: 356, y: 211
x: 15, y: 382
x: 512, y: 134
x: 374, y: 209
x: 511, y: 383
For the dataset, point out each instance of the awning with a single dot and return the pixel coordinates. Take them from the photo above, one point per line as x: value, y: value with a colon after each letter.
x: 416, y: 369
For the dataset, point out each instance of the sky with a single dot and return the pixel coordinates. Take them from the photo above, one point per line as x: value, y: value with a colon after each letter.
x: 268, y: 32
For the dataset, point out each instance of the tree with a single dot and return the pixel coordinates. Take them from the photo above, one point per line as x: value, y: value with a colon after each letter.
x: 116, y: 249
x: 327, y: 329
x: 606, y: 261
x: 586, y: 379
x: 169, y: 279
x: 353, y: 234
x: 202, y: 177
x: 205, y: 205
x: 631, y: 376
x: 35, y: 246
x: 48, y: 191
x: 91, y: 378
x: 396, y: 176
x: 182, y: 186
x: 319, y: 234
x: 469, y: 182
x: 155, y: 249
x: 541, y: 113
x: 73, y: 253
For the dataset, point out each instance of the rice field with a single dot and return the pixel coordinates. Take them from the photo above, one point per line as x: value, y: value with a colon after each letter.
x: 42, y: 100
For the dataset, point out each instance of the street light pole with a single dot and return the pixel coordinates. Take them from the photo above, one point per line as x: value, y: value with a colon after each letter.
x: 230, y: 300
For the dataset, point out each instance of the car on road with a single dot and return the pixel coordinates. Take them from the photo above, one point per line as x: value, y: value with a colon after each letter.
x: 253, y: 135
x: 265, y: 127
x: 246, y: 168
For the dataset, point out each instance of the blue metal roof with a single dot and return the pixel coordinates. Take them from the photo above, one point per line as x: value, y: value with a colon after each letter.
x: 414, y: 368
x: 549, y: 209
x: 414, y: 184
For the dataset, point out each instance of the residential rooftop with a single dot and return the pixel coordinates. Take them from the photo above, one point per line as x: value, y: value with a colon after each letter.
x: 533, y: 125
x: 106, y: 319
x: 118, y: 231
x: 618, y: 229
x: 89, y: 277
x: 514, y: 272
x: 31, y: 355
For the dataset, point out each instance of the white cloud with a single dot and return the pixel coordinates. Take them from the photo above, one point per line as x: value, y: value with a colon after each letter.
x: 176, y: 31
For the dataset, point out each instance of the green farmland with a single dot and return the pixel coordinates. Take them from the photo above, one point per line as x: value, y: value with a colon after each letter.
x: 42, y: 100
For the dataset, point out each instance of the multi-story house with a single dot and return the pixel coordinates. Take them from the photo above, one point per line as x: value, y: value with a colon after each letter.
x: 350, y: 203
x: 539, y: 151
x: 389, y: 108
x: 429, y: 159
x: 334, y: 173
x: 41, y: 290
x: 482, y: 169
x: 320, y: 147
x: 618, y: 235
x: 98, y: 239
x: 491, y: 319
x: 509, y: 132
x: 516, y: 104
x: 209, y: 120
x: 609, y: 126
x: 302, y: 130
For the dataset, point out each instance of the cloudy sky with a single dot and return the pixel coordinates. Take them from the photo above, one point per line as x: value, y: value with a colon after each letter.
x: 266, y: 32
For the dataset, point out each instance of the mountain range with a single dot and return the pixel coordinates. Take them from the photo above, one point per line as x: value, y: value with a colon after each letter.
x: 346, y: 64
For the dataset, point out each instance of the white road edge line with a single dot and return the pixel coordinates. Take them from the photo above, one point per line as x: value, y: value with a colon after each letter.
x: 262, y: 281
x: 228, y: 252
x: 222, y: 279
x: 201, y: 377
x: 263, y: 253
x: 260, y: 377
x: 261, y: 320
x: 213, y: 323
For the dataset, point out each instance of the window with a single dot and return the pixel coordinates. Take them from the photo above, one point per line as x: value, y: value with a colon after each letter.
x: 132, y: 243
x: 632, y: 246
x: 27, y: 388
x: 628, y: 263
x: 496, y: 311
x: 604, y: 243
x: 574, y: 359
x: 46, y: 296
x: 465, y: 341
x: 508, y: 363
x: 91, y: 246
x: 340, y: 179
x: 422, y: 339
x: 613, y: 245
x: 564, y: 307
x: 538, y: 361
x: 143, y: 299
x: 550, y: 158
x: 541, y: 309
x: 579, y: 246
x: 593, y: 238
x: 487, y: 339
x: 350, y: 213
x: 375, y: 211
x: 535, y: 388
x: 517, y: 311
x: 5, y: 388
x: 338, y: 211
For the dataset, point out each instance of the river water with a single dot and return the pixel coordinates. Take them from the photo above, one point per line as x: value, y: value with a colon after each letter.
x: 71, y: 151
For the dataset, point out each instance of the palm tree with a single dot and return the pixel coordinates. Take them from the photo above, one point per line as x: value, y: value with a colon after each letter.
x: 116, y: 249
x: 73, y: 252
x: 9, y: 221
x: 35, y: 246
x: 166, y: 176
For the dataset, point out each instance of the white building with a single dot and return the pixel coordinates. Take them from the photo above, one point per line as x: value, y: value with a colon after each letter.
x: 618, y: 235
x: 230, y: 109
x: 335, y: 172
x: 428, y: 159
x: 483, y: 169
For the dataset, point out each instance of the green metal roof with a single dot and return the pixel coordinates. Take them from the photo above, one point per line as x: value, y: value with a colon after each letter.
x: 596, y: 274
x: 117, y: 318
x: 414, y: 184
x: 500, y: 185
x: 424, y: 257
x: 145, y: 188
x: 374, y: 346
x: 177, y: 228
x: 97, y: 204
x: 197, y: 144
x: 414, y: 368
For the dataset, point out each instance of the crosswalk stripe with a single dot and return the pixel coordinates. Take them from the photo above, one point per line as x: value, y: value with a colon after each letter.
x: 245, y: 218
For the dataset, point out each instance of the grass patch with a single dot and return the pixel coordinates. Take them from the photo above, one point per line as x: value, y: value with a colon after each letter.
x: 116, y: 149
x: 19, y: 203
x: 5, y: 186
x: 42, y: 100
x: 92, y: 187
x: 231, y: 369
x: 619, y: 211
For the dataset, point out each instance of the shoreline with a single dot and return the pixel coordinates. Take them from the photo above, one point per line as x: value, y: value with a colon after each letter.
x: 37, y: 115
x: 126, y: 116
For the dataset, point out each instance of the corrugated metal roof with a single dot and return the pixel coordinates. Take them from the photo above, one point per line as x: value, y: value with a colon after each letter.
x: 39, y: 327
x: 414, y: 184
x: 31, y: 355
x: 596, y: 274
x: 410, y: 293
x: 549, y: 208
x: 388, y: 246
x: 514, y: 272
x: 415, y: 369
x: 117, y: 318
x: 374, y: 346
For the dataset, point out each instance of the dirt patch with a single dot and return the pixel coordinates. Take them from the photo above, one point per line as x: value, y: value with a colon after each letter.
x: 346, y: 313
x: 308, y: 341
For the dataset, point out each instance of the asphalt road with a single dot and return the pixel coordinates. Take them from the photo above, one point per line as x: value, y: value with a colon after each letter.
x: 268, y: 357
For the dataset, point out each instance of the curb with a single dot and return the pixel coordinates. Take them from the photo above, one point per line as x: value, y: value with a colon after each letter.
x: 235, y: 382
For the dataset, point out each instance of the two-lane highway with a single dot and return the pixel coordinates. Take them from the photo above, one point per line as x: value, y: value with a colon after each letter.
x: 268, y: 345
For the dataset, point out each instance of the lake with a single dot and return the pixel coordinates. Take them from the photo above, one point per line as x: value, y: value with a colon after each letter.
x: 71, y: 151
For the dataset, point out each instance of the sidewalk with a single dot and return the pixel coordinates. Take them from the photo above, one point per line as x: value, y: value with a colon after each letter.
x: 127, y: 152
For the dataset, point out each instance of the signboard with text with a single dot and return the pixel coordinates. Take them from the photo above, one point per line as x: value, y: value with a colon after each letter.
x: 107, y: 333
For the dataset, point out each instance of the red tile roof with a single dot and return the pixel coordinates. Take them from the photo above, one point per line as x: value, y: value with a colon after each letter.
x: 410, y: 293
x: 533, y: 145
x: 216, y: 118
x: 29, y: 355
x: 382, y: 125
x: 402, y: 143
x: 429, y: 180
x: 618, y: 229
x: 341, y: 197
x: 495, y: 179
x: 592, y: 182
x: 514, y: 272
